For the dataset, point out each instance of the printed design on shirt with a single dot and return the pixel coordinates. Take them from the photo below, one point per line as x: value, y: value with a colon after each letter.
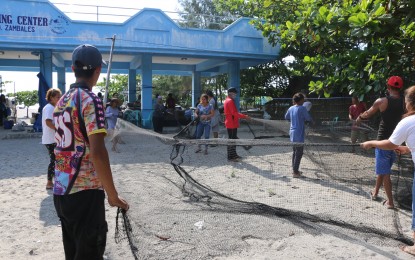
x: 71, y: 144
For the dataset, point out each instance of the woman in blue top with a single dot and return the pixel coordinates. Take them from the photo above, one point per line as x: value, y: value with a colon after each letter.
x: 204, y: 113
x: 111, y: 114
x: 297, y: 115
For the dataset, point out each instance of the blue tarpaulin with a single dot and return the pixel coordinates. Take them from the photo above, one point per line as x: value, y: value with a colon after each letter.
x: 43, y: 88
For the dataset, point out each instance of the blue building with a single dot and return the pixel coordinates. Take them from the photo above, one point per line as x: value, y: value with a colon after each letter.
x: 37, y: 36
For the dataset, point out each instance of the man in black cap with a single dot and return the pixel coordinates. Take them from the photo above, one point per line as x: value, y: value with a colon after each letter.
x: 232, y: 122
x: 82, y: 171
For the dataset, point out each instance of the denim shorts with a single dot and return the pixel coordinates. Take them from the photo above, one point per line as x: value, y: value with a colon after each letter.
x: 384, y: 161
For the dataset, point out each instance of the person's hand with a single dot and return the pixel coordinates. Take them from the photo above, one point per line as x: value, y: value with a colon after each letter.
x: 402, y: 150
x: 366, y: 145
x: 118, y: 202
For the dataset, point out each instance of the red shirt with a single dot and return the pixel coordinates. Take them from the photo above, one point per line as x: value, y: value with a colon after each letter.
x: 356, y: 110
x: 231, y: 114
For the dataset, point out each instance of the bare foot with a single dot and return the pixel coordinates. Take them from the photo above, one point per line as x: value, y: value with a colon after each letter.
x: 388, y: 205
x: 373, y: 195
x: 408, y: 249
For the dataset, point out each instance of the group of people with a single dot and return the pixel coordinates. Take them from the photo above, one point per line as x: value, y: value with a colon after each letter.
x: 160, y: 110
x: 79, y: 170
x: 74, y: 132
x: 396, y: 127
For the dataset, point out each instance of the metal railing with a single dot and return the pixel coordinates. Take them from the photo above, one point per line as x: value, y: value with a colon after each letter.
x: 87, y: 12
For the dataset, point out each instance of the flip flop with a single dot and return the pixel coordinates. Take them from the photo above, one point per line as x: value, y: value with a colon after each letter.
x: 386, y: 204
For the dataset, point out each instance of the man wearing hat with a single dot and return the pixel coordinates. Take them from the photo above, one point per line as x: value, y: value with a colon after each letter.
x: 391, y: 109
x: 232, y: 122
x: 82, y: 169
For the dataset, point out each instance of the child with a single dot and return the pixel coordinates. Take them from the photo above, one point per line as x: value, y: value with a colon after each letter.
x: 297, y: 115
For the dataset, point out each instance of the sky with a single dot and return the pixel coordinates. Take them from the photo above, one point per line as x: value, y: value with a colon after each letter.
x: 20, y: 81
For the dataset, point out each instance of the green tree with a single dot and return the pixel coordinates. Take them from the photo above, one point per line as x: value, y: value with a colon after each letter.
x: 342, y: 46
x: 179, y: 86
x: 28, y: 98
x: 204, y: 14
x: 118, y: 84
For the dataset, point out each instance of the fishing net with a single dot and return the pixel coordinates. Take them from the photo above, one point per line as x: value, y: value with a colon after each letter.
x: 186, y: 204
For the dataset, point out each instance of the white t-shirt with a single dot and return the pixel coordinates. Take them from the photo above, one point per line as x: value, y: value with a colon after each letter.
x: 48, y: 135
x: 307, y: 104
x: 405, y: 132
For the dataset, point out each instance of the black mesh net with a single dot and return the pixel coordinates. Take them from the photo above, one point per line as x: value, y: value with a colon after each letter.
x: 196, y: 205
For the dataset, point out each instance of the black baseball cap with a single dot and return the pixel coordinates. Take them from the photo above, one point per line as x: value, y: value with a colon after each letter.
x: 87, y: 57
x: 232, y: 90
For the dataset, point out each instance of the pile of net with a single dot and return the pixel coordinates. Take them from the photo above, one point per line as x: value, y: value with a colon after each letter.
x: 187, y: 204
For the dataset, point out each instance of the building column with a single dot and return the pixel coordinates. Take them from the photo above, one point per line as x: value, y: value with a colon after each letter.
x: 196, y: 88
x: 234, y: 80
x: 147, y: 91
x: 132, y: 85
x: 46, y: 66
x: 61, y: 79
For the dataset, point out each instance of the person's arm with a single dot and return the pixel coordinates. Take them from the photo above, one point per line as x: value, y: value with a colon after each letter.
x: 307, y: 116
x: 196, y: 112
x: 100, y: 160
x: 371, y: 111
x: 287, y: 115
x: 211, y: 114
x: 108, y: 112
x: 235, y: 113
x: 382, y: 144
x: 50, y: 124
x: 240, y: 115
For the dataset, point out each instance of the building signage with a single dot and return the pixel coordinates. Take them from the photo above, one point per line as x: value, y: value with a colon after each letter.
x: 32, y: 24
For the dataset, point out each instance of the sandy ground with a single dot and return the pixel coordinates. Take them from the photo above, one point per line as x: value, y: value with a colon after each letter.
x: 31, y: 230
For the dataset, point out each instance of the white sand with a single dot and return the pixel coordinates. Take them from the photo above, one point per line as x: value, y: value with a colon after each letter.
x: 30, y: 228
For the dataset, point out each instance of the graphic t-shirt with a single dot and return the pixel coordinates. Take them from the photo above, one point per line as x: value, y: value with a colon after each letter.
x: 72, y: 149
x: 204, y: 111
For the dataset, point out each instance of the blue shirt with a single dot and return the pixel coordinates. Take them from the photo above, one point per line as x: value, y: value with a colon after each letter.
x: 297, y: 115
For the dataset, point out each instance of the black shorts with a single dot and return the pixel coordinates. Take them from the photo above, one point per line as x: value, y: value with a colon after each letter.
x: 84, y: 229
